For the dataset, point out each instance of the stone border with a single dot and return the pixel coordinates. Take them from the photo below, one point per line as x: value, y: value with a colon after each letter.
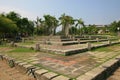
x: 78, y: 50
x: 103, y: 71
x: 72, y: 51
x: 36, y: 72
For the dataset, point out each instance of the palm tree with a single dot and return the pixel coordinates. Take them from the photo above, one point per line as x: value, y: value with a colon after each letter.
x: 80, y: 23
x: 66, y: 22
x: 38, y: 23
x: 54, y: 25
x: 51, y: 24
x: 48, y: 24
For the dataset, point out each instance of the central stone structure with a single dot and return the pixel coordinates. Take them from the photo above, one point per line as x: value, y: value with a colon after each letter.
x: 70, y: 44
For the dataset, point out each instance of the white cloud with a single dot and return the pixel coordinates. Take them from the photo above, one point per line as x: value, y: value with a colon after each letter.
x: 22, y: 12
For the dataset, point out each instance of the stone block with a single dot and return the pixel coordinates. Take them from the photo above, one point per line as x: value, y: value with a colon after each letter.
x: 78, y: 41
x: 12, y: 44
x: 60, y: 78
x: 37, y: 47
x: 27, y: 66
x: 20, y: 67
x: 97, y: 39
x: 109, y: 42
x: 84, y: 77
x: 23, y: 40
x: 89, y: 46
x: 39, y: 73
x: 96, y: 74
x: 35, y: 62
x: 48, y: 76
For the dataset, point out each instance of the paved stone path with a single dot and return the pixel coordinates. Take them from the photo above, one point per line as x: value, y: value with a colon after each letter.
x: 75, y: 65
x: 7, y: 73
x: 72, y: 66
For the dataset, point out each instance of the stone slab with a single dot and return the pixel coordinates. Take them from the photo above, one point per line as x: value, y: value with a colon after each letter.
x: 48, y: 76
x: 60, y: 78
x: 41, y: 71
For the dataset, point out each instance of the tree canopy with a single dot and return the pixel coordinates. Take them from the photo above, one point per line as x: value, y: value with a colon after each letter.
x: 12, y: 22
x: 7, y: 25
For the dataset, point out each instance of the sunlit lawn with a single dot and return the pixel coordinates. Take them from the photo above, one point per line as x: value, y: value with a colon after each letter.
x: 107, y: 49
x: 17, y: 53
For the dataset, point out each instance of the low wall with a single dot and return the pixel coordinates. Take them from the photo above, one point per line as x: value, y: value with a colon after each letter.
x: 37, y: 72
x: 103, y: 71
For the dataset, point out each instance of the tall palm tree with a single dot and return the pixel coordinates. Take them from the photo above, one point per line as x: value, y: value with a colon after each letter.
x: 66, y: 22
x: 80, y: 23
x: 38, y: 23
x: 51, y: 24
x: 54, y: 25
x: 48, y: 24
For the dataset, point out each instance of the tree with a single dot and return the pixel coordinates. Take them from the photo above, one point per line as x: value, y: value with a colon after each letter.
x: 13, y: 16
x: 114, y: 25
x: 73, y: 30
x: 54, y: 25
x: 80, y: 24
x: 66, y: 21
x: 50, y: 24
x: 92, y: 29
x: 7, y: 26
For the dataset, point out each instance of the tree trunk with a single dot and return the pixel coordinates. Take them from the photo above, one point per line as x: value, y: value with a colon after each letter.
x: 63, y: 30
x: 54, y: 31
x: 67, y: 30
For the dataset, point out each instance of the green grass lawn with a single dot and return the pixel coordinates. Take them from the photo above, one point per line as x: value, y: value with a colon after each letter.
x: 107, y: 49
x: 21, y: 50
x: 27, y: 43
x: 16, y: 52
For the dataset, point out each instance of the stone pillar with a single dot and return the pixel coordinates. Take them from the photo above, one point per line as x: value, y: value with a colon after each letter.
x: 89, y: 37
x: 37, y: 48
x: 89, y: 46
x: 109, y: 42
x: 12, y: 44
x: 97, y: 39
x: 73, y: 38
x: 23, y: 40
x: 78, y: 41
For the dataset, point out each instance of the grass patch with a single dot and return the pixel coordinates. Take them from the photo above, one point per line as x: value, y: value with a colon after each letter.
x: 20, y: 53
x: 97, y: 43
x: 103, y: 49
x: 21, y: 50
x: 27, y: 43
x: 2, y: 46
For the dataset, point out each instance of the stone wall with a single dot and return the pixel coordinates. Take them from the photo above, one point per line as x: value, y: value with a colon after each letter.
x: 103, y: 71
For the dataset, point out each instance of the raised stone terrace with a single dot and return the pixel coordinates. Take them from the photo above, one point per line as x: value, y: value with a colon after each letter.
x: 69, y: 45
x: 98, y: 60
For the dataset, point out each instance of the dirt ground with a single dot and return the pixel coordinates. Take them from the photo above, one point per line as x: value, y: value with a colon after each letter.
x: 7, y: 73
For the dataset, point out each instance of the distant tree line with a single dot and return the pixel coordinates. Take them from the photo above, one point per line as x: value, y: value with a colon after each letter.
x: 12, y: 25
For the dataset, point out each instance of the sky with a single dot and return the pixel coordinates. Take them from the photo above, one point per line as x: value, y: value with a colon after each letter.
x: 99, y: 12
